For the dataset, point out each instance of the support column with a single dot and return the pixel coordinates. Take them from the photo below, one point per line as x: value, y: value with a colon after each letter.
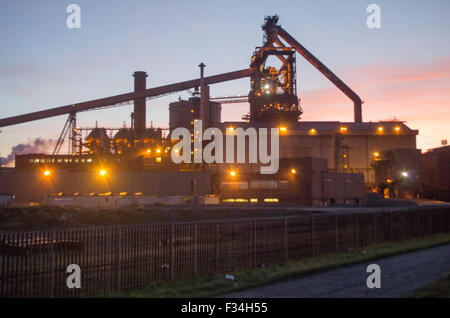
x: 338, y: 163
x: 204, y: 99
x: 140, y: 84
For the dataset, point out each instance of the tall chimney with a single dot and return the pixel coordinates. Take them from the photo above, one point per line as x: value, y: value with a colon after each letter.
x: 140, y: 84
x: 204, y: 99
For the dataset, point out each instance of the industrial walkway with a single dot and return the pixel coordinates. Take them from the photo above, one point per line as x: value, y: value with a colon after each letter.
x: 400, y: 275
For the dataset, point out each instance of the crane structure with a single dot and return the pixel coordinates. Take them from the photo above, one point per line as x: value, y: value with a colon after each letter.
x: 123, y: 98
x: 272, y: 98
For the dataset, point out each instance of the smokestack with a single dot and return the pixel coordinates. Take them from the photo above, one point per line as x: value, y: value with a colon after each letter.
x: 140, y: 84
x: 204, y: 99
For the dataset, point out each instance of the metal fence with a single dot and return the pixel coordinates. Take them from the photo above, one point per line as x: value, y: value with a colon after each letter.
x: 116, y: 258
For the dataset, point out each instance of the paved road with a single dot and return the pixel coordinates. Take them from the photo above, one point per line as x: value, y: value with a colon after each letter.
x: 400, y: 276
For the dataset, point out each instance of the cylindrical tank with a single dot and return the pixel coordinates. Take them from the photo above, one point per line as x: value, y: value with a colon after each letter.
x: 183, y: 113
x: 150, y: 138
x: 98, y: 141
x: 123, y: 141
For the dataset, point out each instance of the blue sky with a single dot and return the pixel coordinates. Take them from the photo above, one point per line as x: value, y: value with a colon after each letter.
x: 44, y: 64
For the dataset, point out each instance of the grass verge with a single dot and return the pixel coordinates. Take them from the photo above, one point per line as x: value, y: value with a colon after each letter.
x: 213, y: 285
x: 440, y: 289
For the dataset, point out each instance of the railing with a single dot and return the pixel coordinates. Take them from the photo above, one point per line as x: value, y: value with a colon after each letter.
x: 116, y: 258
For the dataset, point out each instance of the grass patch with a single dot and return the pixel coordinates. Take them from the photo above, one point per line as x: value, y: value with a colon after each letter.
x: 440, y: 289
x: 213, y: 285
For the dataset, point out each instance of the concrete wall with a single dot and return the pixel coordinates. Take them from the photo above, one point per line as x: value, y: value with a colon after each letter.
x: 359, y: 143
x: 34, y: 186
x: 110, y: 201
x: 361, y: 150
x: 312, y: 184
x: 341, y: 188
x: 436, y: 173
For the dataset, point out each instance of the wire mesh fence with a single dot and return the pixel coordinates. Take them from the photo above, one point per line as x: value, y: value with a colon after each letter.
x: 116, y: 258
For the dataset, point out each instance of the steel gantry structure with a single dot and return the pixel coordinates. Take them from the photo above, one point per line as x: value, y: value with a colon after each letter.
x: 282, y: 91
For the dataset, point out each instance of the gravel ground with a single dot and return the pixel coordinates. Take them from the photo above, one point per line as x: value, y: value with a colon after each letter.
x: 401, y: 275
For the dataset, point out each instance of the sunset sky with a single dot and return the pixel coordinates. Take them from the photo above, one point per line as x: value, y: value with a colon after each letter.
x: 401, y: 70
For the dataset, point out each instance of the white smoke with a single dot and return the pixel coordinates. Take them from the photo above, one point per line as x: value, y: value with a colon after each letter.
x: 39, y: 145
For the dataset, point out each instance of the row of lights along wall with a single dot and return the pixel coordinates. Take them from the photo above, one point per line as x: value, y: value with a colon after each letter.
x: 101, y: 172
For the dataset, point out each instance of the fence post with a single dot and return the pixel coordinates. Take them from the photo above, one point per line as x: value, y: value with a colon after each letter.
x: 254, y: 243
x: 216, y: 246
x: 3, y: 273
x: 195, y: 250
x: 357, y: 231
x: 390, y: 227
x: 313, y: 236
x: 419, y: 223
x: 336, y: 232
x: 172, y: 252
x: 375, y: 228
x: 119, y: 258
x: 52, y: 266
x: 285, y: 240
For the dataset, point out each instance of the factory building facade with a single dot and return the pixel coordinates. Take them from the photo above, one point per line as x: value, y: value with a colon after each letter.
x: 398, y: 173
x: 333, y: 161
x: 347, y: 146
x: 303, y: 181
x: 155, y: 183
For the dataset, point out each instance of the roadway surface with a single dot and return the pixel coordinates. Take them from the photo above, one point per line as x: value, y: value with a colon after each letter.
x: 401, y: 275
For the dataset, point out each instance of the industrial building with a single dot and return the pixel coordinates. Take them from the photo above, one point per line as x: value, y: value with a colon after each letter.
x: 304, y: 181
x: 321, y: 163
